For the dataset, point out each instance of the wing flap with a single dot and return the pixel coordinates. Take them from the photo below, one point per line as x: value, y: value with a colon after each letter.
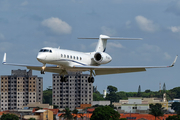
x: 118, y: 70
x: 53, y: 69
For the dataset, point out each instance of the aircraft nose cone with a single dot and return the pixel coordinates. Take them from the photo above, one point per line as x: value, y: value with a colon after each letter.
x: 110, y: 58
x: 41, y: 57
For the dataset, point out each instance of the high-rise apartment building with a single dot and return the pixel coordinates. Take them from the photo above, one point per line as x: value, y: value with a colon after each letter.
x: 19, y: 89
x: 74, y: 92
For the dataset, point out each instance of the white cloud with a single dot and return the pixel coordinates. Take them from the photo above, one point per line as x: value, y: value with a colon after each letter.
x: 2, y: 36
x: 24, y: 3
x: 145, y: 24
x: 57, y: 25
x: 108, y: 31
x: 175, y: 29
x: 167, y: 56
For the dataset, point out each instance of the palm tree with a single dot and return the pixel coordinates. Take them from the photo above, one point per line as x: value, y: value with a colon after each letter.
x: 156, y: 110
x: 75, y: 111
x: 67, y: 115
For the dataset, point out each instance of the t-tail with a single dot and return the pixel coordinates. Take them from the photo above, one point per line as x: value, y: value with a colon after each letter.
x: 101, y: 46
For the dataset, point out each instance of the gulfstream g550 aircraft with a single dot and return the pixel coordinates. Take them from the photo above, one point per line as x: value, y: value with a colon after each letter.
x: 62, y: 61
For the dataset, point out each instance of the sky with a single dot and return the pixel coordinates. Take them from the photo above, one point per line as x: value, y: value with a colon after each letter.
x: 28, y: 25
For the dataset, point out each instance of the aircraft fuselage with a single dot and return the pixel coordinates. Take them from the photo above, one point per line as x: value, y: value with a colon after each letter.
x: 69, y: 58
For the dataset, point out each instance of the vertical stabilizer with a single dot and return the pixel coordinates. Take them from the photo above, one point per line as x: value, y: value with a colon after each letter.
x: 101, y: 46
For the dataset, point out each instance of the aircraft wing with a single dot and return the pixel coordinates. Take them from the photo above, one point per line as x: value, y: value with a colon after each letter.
x: 99, y: 70
x: 51, y: 68
x: 103, y: 70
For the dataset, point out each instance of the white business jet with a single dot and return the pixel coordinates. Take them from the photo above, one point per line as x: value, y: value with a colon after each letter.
x: 62, y: 61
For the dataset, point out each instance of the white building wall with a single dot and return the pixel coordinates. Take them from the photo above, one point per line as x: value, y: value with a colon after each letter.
x: 134, y: 100
x: 132, y: 108
x: 101, y: 103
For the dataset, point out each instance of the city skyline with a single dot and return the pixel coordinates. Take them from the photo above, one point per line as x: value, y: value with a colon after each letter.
x: 27, y: 26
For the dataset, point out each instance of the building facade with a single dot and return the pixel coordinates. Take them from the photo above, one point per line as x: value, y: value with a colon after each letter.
x: 19, y: 89
x: 74, y: 92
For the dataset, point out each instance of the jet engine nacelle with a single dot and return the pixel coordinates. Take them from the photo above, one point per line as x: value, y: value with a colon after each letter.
x: 102, y: 58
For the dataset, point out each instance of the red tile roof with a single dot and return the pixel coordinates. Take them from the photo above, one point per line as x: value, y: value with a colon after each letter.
x: 137, y: 116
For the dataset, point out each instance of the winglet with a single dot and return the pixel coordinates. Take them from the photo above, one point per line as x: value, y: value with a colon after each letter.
x: 174, y: 61
x: 4, y: 59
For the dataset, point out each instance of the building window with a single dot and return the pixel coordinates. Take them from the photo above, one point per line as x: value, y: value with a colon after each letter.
x: 134, y: 108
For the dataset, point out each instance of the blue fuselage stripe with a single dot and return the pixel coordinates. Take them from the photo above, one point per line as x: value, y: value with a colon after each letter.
x: 65, y: 60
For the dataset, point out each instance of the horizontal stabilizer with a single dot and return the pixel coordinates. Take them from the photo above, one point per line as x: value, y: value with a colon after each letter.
x: 115, y: 38
x: 101, y: 46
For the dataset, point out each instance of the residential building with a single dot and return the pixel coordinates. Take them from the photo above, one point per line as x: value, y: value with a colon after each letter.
x: 74, y: 92
x: 139, y: 104
x: 19, y: 89
x: 41, y: 115
x: 134, y: 104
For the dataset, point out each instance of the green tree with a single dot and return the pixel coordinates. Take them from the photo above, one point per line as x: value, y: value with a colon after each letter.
x: 75, y: 112
x: 174, y: 117
x: 121, y: 95
x: 97, y: 96
x: 176, y: 90
x: 9, y: 117
x: 112, y: 97
x: 47, y: 96
x: 131, y: 94
x: 164, y: 88
x: 55, y: 106
x: 32, y: 119
x: 156, y: 110
x: 147, y: 91
x: 176, y: 106
x: 111, y: 89
x: 123, y: 119
x: 105, y: 113
x: 139, y: 91
x: 67, y: 114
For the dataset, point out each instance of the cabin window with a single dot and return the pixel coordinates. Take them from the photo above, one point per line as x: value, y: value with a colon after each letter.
x: 71, y: 57
x: 80, y: 58
x: 61, y: 55
x: 77, y: 58
x: 67, y: 56
x: 64, y: 56
x: 74, y: 57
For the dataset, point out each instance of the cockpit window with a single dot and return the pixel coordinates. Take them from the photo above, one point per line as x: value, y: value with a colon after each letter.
x: 45, y: 50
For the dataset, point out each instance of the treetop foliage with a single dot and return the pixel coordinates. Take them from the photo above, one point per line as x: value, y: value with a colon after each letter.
x: 9, y: 117
x: 156, y: 110
x: 114, y: 96
x: 105, y: 113
x: 111, y: 89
